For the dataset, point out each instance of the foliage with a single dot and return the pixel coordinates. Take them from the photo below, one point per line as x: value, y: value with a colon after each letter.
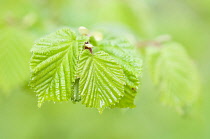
x: 104, y: 72
x: 52, y: 79
x: 107, y: 75
x: 186, y: 21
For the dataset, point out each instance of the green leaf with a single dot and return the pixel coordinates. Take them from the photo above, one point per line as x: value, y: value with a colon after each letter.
x: 53, y: 65
x: 127, y: 100
x: 123, y: 53
x: 101, y: 80
x: 14, y: 57
x: 175, y: 75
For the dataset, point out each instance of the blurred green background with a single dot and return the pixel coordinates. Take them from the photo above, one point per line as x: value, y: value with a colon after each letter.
x: 24, y: 21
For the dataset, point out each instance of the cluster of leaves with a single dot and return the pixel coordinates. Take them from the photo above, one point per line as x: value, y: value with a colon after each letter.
x: 105, y: 72
x: 64, y: 68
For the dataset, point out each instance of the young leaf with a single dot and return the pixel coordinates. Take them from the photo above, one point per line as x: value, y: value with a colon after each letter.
x: 175, y: 75
x: 53, y: 65
x: 123, y: 53
x: 101, y: 80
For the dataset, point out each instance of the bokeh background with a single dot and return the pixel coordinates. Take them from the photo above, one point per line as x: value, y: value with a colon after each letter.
x: 24, y: 21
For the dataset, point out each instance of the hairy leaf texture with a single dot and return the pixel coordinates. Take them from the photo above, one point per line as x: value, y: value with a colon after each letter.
x: 53, y: 65
x: 123, y: 53
x: 14, y: 57
x: 175, y: 75
x: 101, y: 80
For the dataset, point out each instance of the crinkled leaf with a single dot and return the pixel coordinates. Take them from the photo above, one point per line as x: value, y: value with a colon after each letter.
x: 101, y: 80
x: 175, y: 75
x: 53, y: 65
x: 123, y: 53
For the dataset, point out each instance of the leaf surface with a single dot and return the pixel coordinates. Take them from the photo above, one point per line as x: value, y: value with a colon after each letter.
x: 123, y: 53
x: 53, y: 65
x: 101, y: 80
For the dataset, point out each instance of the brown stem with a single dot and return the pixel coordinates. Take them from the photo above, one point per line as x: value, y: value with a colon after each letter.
x: 148, y: 43
x: 154, y: 43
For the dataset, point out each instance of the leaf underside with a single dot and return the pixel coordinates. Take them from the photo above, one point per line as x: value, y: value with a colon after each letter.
x: 101, y: 80
x: 53, y: 65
